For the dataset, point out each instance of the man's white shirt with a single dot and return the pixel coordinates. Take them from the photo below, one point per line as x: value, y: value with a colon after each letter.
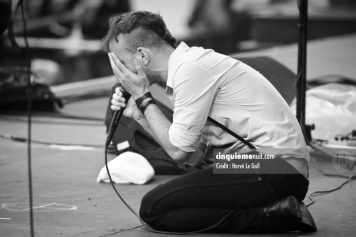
x: 205, y: 83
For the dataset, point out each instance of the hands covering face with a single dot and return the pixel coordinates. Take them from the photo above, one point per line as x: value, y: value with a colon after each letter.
x: 134, y: 83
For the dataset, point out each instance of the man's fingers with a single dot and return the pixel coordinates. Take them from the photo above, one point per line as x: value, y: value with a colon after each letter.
x: 118, y: 91
x: 113, y: 107
x: 114, y: 67
x: 118, y: 98
x: 119, y: 64
x: 114, y: 58
x: 117, y: 103
x: 112, y: 63
x: 138, y: 66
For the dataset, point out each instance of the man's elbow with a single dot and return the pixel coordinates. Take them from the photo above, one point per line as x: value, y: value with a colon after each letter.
x: 179, y: 155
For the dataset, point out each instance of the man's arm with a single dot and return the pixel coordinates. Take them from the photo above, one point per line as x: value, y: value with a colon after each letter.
x: 160, y: 127
x: 154, y: 121
x: 157, y: 125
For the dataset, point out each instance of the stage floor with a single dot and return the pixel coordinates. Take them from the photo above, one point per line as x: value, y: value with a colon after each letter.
x: 69, y: 202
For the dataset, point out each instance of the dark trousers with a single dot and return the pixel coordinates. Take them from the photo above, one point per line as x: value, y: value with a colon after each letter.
x: 231, y: 203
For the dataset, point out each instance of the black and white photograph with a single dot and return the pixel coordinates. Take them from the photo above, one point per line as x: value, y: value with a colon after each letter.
x: 177, y: 117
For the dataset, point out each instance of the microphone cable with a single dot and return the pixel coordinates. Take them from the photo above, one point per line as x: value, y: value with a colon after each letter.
x: 26, y: 52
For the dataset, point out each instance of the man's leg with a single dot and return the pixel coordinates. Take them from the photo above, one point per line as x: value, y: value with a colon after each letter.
x: 201, y: 199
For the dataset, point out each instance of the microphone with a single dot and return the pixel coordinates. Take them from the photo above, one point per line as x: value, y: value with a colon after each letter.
x: 116, y: 118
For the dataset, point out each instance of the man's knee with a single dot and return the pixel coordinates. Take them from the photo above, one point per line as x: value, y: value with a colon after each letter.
x: 149, y: 212
x: 145, y: 208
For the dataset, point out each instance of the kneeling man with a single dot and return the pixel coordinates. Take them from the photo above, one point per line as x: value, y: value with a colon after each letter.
x: 202, y: 84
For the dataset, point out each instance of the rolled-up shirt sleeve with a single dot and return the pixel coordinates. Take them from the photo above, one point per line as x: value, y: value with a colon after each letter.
x: 194, y: 90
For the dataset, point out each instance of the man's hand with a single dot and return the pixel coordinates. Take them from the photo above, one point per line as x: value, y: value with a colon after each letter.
x: 154, y: 122
x: 135, y: 84
x: 118, y: 102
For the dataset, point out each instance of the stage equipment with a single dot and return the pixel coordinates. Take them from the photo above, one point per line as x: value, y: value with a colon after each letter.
x: 302, y: 64
x: 13, y: 92
x: 5, y: 14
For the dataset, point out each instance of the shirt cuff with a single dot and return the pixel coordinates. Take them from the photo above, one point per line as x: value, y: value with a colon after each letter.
x: 183, y: 139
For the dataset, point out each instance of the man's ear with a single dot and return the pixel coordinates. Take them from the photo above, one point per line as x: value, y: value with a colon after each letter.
x: 143, y: 56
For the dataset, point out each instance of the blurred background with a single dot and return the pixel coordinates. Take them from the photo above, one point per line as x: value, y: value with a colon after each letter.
x: 65, y: 35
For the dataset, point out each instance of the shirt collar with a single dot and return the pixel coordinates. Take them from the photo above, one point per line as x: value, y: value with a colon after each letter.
x: 176, y: 55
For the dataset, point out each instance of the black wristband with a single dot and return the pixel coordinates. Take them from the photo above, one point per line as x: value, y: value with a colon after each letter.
x: 139, y: 100
x: 144, y: 106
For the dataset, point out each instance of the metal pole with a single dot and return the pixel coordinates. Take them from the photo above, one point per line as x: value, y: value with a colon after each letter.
x: 302, y: 62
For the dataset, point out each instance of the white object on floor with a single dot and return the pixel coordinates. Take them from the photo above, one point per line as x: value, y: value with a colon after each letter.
x: 128, y: 167
x: 332, y: 108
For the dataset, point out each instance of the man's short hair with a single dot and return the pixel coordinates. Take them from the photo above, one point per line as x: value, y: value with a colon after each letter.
x: 153, y: 29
